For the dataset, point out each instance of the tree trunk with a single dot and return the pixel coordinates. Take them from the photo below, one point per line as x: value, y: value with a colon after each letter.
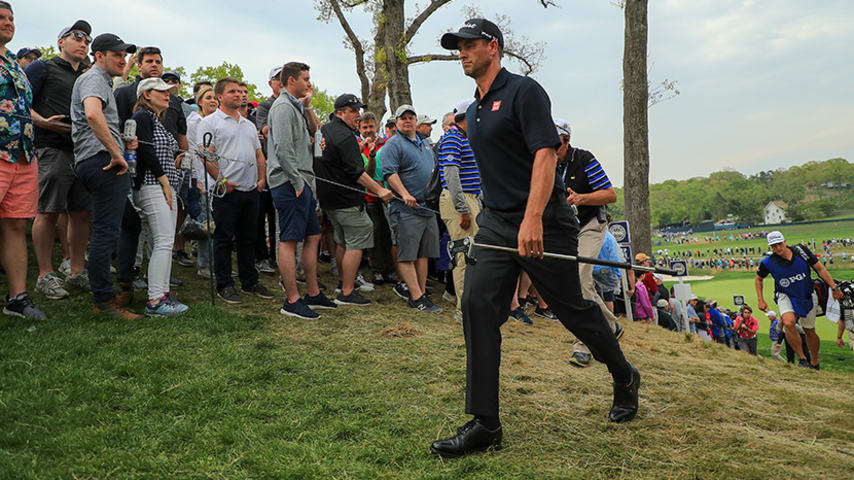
x: 635, y: 126
x: 376, y: 101
x: 394, y: 43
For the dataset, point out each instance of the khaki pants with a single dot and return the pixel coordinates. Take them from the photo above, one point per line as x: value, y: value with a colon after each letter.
x: 775, y: 352
x: 590, y: 240
x: 452, y: 221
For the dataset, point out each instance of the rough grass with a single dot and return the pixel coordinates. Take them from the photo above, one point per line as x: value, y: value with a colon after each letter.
x: 245, y: 393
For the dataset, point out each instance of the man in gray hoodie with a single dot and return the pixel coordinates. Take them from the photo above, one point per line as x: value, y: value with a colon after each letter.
x: 290, y: 157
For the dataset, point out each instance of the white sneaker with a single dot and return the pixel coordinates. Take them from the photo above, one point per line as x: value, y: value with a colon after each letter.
x: 51, y: 286
x: 446, y: 296
x: 65, y: 267
x: 204, y: 272
x: 362, y: 284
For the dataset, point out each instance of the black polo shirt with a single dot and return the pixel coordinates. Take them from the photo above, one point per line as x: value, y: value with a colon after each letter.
x: 52, y: 81
x: 173, y: 119
x: 341, y: 163
x: 506, y: 128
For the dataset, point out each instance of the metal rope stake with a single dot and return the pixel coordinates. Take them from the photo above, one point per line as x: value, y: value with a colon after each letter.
x: 206, y: 142
x: 466, y: 244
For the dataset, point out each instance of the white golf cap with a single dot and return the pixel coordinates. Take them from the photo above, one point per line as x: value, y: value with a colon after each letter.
x: 661, y: 303
x: 562, y: 126
x: 152, y: 83
x: 693, y: 297
x: 462, y: 106
x: 425, y: 120
x: 771, y: 313
x: 403, y: 109
x: 274, y: 72
x: 775, y: 237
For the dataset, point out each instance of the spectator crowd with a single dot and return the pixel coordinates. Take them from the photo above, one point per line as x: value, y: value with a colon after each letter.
x: 121, y: 170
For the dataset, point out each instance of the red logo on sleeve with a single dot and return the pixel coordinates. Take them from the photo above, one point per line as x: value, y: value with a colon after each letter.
x: 496, y: 105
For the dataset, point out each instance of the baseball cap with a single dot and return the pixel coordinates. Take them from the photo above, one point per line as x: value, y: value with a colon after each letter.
x: 81, y: 25
x: 26, y: 51
x: 473, y: 28
x: 661, y: 303
x: 658, y: 277
x: 775, y: 237
x: 771, y: 313
x: 562, y: 126
x: 462, y: 106
x: 348, y: 100
x: 641, y: 257
x: 693, y: 297
x: 111, y: 42
x: 274, y: 72
x: 425, y: 120
x: 403, y: 109
x: 152, y: 83
x: 170, y: 73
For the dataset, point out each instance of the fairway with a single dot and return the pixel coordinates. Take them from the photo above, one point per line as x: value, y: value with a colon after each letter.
x: 794, y: 233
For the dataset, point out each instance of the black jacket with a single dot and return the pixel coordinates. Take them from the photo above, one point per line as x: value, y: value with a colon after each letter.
x: 341, y: 163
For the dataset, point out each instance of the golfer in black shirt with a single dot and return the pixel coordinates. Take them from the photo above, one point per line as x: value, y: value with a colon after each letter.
x: 511, y: 132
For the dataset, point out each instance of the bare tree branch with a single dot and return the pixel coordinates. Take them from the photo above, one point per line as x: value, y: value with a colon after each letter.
x: 529, y: 65
x: 431, y: 57
x: 416, y: 23
x: 357, y: 46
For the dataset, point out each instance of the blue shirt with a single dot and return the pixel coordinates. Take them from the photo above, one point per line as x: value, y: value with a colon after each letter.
x: 454, y: 150
x: 413, y: 161
x: 610, y: 251
x: 718, y: 325
x: 773, y: 334
x: 16, y: 100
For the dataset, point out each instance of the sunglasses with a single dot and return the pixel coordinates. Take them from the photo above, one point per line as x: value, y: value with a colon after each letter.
x: 80, y: 36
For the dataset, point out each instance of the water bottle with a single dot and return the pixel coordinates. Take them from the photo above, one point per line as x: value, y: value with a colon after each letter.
x: 318, y: 137
x: 130, y: 157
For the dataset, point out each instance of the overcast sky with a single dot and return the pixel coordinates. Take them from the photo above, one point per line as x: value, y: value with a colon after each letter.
x: 764, y: 84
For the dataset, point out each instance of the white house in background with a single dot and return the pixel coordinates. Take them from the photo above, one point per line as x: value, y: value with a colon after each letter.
x: 775, y: 212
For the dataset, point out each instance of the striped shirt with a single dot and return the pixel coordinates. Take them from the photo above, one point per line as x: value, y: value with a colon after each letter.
x: 596, y: 176
x: 454, y: 150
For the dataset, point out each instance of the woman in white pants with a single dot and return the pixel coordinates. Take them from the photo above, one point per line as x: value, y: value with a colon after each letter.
x: 154, y: 187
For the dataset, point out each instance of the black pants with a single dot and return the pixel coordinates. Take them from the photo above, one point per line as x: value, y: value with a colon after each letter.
x: 791, y: 356
x: 128, y: 243
x: 490, y: 284
x: 236, y: 217
x: 380, y: 254
x: 266, y: 211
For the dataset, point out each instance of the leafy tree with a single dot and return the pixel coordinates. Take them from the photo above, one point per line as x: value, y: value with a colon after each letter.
x: 323, y: 104
x: 212, y: 74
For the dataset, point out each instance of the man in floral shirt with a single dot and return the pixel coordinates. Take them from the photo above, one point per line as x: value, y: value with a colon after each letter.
x: 18, y: 172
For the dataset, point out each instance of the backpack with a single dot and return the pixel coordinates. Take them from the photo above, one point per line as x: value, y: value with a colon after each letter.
x: 820, y: 288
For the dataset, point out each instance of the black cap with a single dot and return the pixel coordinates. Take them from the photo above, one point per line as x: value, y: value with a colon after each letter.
x: 348, y: 100
x: 26, y: 51
x: 172, y: 74
x: 111, y: 42
x: 473, y: 28
x: 80, y: 25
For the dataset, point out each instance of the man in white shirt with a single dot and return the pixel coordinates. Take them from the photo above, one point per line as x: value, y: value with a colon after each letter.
x: 241, y: 172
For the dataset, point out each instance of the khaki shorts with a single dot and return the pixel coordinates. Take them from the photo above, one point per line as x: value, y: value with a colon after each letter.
x: 352, y: 226
x: 785, y: 306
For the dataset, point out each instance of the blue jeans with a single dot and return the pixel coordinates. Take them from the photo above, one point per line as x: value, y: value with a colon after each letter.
x: 108, y: 192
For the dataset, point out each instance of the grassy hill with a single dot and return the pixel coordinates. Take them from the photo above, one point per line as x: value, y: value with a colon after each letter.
x: 245, y: 393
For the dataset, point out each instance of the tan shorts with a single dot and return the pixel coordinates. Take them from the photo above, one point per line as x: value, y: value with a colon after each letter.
x: 785, y: 306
